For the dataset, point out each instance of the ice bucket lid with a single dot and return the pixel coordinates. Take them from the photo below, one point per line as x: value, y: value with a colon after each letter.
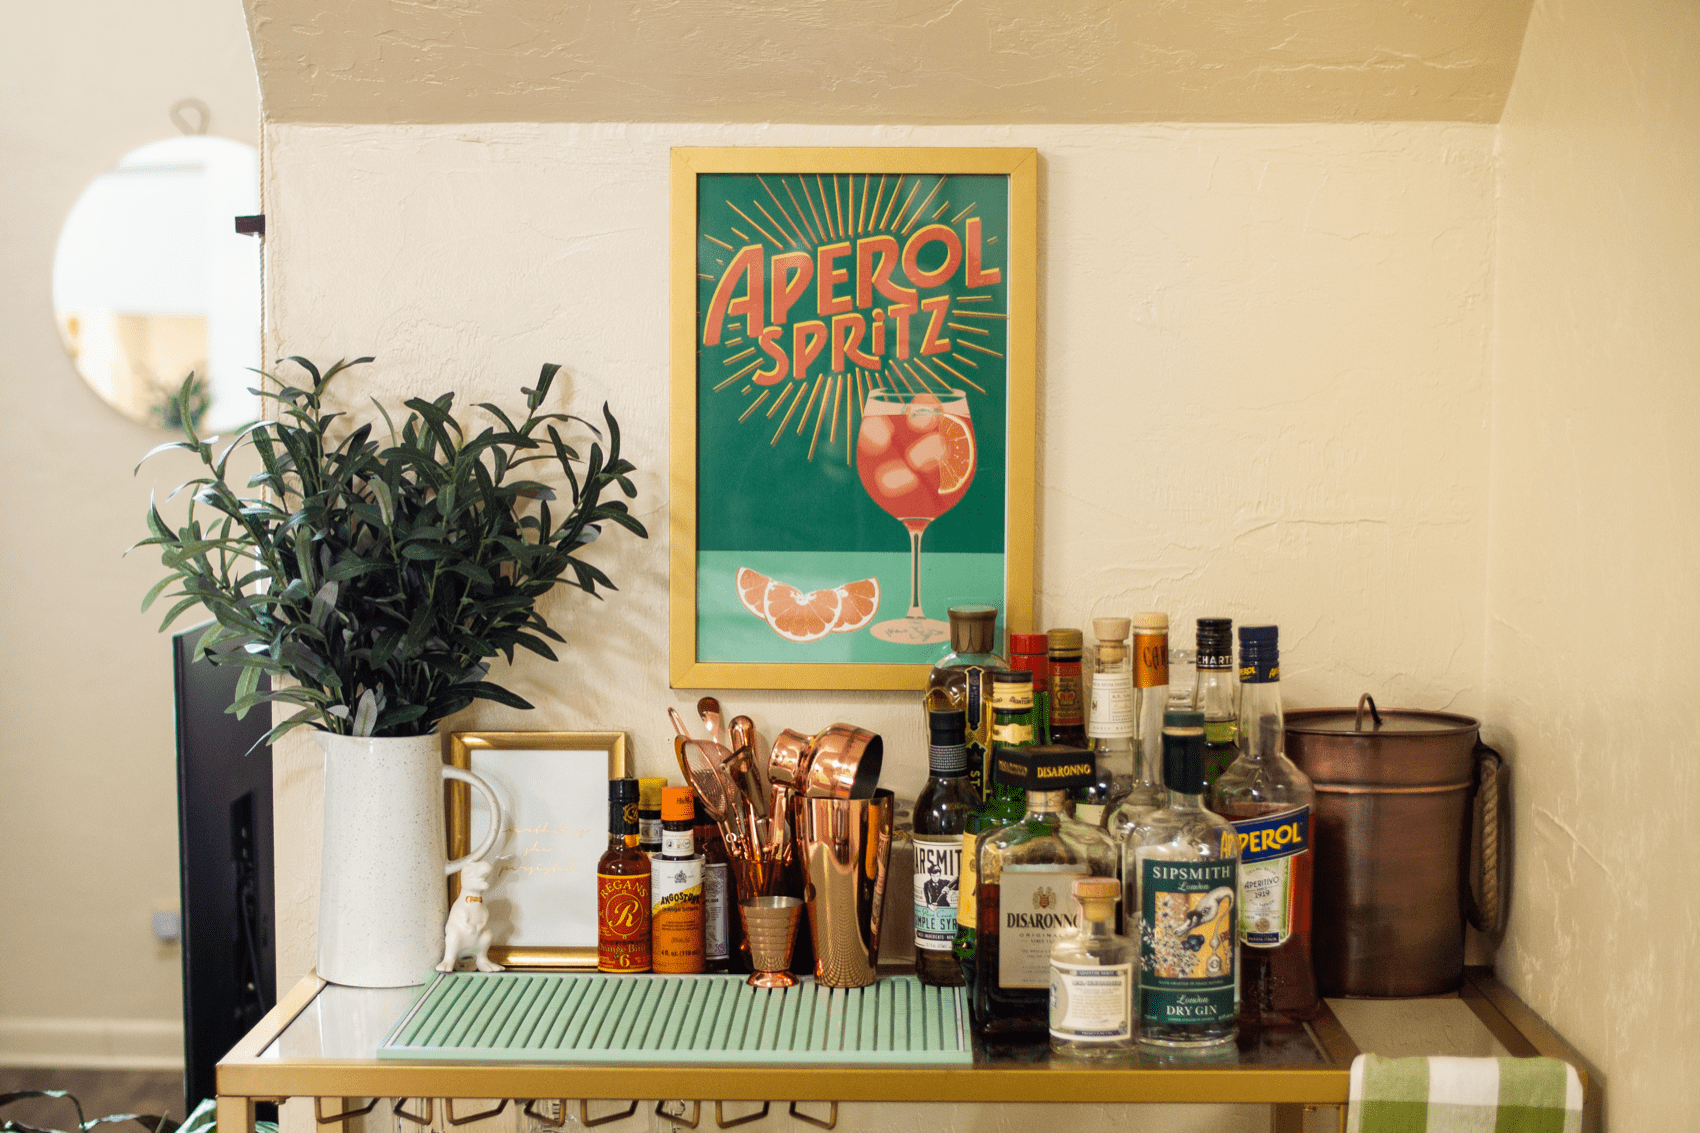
x: 1368, y: 720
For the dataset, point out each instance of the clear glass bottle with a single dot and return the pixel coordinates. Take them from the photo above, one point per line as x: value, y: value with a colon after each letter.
x: 1269, y: 801
x: 1109, y: 723
x: 1180, y: 878
x: 1092, y: 978
x: 942, y: 810
x: 1030, y: 651
x: 1183, y: 666
x: 1150, y: 702
x: 1218, y: 696
x: 1068, y: 693
x: 963, y: 681
x: 1025, y: 870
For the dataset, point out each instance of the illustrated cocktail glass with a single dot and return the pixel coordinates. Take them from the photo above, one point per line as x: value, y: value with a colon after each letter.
x: 916, y: 457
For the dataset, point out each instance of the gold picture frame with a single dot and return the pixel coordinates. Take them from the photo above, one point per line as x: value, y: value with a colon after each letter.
x: 511, y: 762
x: 850, y: 662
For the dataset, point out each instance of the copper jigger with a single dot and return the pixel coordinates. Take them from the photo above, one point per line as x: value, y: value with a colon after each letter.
x: 770, y: 925
x: 789, y: 759
x: 845, y: 763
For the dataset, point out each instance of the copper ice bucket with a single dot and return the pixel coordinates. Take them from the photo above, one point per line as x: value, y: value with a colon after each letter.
x: 1396, y: 809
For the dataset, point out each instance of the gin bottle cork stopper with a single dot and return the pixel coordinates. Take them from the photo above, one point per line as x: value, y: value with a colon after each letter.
x: 1112, y: 637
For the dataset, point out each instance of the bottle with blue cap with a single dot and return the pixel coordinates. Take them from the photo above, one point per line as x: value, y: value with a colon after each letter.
x: 1269, y: 800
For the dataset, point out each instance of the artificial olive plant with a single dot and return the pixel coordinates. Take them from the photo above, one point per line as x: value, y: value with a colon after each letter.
x: 373, y: 580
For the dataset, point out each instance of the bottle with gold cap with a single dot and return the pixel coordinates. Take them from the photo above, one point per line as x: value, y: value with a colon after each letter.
x: 649, y: 814
x: 1109, y: 722
x: 676, y: 888
x: 1150, y: 701
x: 963, y: 680
x: 1092, y: 977
x: 1068, y: 692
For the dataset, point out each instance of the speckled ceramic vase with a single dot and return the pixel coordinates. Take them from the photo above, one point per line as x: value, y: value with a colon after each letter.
x: 382, y: 891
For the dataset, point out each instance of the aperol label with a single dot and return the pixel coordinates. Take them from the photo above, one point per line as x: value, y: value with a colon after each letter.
x: 852, y: 345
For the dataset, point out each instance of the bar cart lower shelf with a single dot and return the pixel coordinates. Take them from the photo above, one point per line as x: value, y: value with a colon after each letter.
x: 321, y: 1041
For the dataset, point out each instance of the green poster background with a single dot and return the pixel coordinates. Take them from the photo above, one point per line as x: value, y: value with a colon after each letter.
x: 777, y: 486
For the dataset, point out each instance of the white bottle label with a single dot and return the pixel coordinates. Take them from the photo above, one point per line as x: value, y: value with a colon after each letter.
x: 1034, y: 909
x: 938, y: 866
x: 714, y: 911
x: 678, y: 844
x: 1091, y: 1002
x: 1112, y: 706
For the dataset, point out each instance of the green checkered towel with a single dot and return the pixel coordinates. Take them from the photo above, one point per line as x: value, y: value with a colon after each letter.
x: 1463, y: 1095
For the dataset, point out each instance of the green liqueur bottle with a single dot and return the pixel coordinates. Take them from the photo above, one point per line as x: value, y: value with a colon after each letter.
x: 1180, y: 878
x: 1014, y: 721
x: 1025, y: 870
x: 942, y: 811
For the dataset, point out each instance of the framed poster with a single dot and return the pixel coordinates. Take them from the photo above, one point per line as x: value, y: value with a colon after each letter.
x: 853, y: 353
x: 554, y: 789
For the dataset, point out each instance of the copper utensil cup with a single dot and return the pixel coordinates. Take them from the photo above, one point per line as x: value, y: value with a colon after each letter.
x: 1392, y: 833
x: 770, y: 925
x: 846, y: 845
x: 845, y: 763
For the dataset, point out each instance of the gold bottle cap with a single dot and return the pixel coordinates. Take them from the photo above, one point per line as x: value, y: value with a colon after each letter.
x: 1150, y: 623
x: 973, y: 629
x: 649, y: 793
x: 1063, y: 638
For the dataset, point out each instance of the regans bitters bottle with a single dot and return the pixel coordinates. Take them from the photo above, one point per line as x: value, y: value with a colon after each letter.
x: 622, y: 887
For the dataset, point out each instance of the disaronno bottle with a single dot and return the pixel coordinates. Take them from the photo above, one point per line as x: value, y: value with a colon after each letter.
x: 1026, y: 869
x: 963, y: 681
x: 1180, y: 882
x: 942, y: 810
x: 1268, y: 799
x: 622, y: 887
x: 676, y: 888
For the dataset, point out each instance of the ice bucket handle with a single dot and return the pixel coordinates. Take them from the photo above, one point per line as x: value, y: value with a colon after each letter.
x: 1486, y: 907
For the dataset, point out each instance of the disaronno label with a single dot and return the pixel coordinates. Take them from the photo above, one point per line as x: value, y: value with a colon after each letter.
x: 1034, y: 908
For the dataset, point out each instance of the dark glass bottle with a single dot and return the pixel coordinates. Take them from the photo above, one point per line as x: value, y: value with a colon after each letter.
x: 1216, y: 696
x: 963, y: 681
x: 1025, y: 870
x: 719, y: 916
x: 1068, y: 690
x: 1005, y: 805
x: 622, y: 887
x: 1030, y: 652
x: 1268, y: 799
x: 942, y: 810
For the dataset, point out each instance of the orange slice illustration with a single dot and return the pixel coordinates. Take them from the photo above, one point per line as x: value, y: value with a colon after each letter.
x: 858, y: 602
x: 956, y: 467
x: 800, y: 617
x: 752, y: 588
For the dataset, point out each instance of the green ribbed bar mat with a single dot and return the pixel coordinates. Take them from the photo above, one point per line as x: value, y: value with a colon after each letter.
x: 581, y: 1017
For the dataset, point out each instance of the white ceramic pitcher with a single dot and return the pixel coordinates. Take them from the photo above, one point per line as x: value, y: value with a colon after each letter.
x: 382, y: 878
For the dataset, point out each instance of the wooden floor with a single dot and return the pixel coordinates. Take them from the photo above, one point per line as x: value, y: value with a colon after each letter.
x: 101, y: 1092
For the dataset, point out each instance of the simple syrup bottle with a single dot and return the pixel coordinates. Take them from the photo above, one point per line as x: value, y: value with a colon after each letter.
x: 942, y: 810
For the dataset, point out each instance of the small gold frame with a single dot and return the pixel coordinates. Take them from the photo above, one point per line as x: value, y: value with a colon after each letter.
x: 459, y: 808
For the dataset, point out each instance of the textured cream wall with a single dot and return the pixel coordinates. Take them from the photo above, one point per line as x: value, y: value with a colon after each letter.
x: 87, y: 784
x: 1594, y: 606
x: 1263, y: 385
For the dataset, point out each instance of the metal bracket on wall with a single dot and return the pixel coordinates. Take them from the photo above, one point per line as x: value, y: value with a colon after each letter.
x: 449, y: 1112
x: 720, y: 1116
x: 587, y: 1121
x: 830, y: 1122
x: 556, y: 1122
x: 679, y: 1118
x: 340, y: 1118
x: 430, y: 1110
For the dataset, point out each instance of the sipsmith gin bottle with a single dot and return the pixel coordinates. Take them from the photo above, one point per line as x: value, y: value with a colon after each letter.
x: 1180, y: 878
x: 1025, y: 870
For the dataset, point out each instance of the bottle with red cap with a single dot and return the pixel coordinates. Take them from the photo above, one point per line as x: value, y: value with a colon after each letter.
x: 1030, y: 652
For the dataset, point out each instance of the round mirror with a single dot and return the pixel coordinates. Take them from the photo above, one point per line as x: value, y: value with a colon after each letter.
x: 151, y: 283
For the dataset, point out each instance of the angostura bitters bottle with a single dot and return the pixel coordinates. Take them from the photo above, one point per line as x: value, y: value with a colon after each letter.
x: 622, y: 887
x: 963, y: 681
x: 676, y: 912
x: 1268, y: 799
x: 1023, y: 903
x: 942, y: 810
x: 1180, y: 885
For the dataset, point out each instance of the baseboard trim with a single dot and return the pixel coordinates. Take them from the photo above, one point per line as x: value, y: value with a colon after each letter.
x: 92, y: 1044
